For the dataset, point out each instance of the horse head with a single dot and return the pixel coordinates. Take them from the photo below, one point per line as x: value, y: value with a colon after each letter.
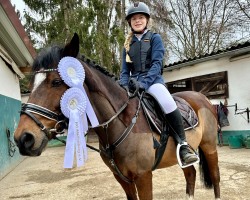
x: 41, y: 118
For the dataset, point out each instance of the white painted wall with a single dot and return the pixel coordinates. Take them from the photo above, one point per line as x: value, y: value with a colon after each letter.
x: 9, y: 82
x: 238, y: 83
x: 25, y: 98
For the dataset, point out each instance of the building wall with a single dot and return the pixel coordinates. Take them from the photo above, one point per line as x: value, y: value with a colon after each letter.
x: 25, y: 98
x: 238, y: 82
x: 10, y: 101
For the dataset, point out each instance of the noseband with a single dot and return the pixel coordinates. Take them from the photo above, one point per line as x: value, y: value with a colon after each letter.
x: 62, y: 122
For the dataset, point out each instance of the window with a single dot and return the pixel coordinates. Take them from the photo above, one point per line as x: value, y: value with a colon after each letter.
x: 212, y: 85
x: 180, y: 85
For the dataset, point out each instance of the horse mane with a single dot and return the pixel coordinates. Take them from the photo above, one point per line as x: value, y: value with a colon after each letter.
x: 101, y: 69
x: 49, y: 58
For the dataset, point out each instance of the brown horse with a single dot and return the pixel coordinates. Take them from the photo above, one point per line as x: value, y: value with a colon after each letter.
x: 132, y: 154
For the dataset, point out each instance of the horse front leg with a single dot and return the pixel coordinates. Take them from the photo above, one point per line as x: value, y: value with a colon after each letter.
x: 190, y: 176
x: 129, y: 188
x: 144, y: 186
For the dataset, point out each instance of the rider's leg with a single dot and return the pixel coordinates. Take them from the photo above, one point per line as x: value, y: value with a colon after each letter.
x: 175, y: 121
x: 174, y: 118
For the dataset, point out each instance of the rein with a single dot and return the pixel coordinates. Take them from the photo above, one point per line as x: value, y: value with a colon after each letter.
x: 105, y: 124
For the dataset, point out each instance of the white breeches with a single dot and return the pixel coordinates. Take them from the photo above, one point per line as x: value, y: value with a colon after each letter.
x: 161, y: 93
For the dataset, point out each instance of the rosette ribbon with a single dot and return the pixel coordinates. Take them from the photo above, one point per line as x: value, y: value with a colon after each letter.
x: 76, y: 106
x: 73, y: 74
x: 73, y: 106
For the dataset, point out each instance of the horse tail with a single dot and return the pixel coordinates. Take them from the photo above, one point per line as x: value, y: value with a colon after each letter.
x: 204, y: 170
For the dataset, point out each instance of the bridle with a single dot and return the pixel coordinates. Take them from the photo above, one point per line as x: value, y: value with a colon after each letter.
x: 30, y: 109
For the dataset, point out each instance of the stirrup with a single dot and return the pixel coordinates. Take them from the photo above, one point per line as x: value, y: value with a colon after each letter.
x: 182, y: 165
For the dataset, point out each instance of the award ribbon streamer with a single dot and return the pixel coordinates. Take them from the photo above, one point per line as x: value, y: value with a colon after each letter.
x: 73, y: 105
x: 73, y: 74
x: 76, y: 106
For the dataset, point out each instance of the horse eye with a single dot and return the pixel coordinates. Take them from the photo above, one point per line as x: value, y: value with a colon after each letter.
x: 57, y: 83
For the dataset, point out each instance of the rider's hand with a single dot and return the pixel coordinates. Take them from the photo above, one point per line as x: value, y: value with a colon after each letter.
x: 134, y: 86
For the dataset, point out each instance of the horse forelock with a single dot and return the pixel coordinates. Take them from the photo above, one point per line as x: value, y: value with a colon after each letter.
x: 48, y: 58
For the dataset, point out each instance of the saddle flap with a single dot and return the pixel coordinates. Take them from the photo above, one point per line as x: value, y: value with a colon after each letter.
x: 190, y: 119
x: 153, y: 111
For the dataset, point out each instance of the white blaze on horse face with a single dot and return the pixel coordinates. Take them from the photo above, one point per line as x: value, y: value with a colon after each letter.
x: 39, y: 78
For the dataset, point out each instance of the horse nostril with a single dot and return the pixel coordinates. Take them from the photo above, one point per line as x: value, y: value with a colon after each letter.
x: 27, y: 141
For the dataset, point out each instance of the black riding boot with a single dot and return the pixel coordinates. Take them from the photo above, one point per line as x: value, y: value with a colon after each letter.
x: 175, y: 121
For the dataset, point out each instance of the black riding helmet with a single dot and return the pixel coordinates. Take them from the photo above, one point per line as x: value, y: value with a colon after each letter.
x: 136, y: 8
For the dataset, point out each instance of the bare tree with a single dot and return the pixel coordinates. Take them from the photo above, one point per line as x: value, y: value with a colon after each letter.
x: 244, y: 6
x: 200, y: 26
x: 194, y: 27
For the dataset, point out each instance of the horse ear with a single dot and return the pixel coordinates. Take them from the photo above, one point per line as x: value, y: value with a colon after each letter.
x: 72, y: 48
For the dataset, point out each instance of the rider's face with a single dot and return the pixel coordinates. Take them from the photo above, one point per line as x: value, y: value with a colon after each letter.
x: 138, y: 22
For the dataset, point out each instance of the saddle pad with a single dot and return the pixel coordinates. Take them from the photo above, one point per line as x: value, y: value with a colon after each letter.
x: 190, y: 119
x: 154, y: 112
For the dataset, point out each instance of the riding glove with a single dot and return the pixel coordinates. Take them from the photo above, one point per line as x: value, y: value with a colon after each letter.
x: 134, y: 86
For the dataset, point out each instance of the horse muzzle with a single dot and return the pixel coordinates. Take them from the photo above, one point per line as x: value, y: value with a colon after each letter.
x: 27, y: 145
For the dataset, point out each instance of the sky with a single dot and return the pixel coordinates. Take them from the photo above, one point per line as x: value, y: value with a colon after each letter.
x: 20, y: 5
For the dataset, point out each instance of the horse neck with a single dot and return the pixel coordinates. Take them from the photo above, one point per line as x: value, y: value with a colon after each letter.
x: 106, y: 96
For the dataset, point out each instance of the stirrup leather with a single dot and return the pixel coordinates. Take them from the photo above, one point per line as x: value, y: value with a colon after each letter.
x: 182, y: 165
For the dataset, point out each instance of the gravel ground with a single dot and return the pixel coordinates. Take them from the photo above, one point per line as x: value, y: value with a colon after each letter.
x: 44, y: 178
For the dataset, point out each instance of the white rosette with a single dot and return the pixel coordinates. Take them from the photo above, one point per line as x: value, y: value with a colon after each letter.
x: 73, y: 74
x: 71, y: 71
x: 73, y: 105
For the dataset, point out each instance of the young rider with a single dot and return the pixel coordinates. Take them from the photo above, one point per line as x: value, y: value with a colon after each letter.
x: 141, y: 67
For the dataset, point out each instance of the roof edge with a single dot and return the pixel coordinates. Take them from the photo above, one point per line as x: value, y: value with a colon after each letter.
x: 13, y: 17
x: 234, y: 52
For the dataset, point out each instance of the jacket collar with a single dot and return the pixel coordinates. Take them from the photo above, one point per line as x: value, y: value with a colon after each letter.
x: 139, y: 37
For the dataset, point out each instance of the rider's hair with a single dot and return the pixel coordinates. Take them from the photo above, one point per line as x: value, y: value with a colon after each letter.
x: 127, y: 45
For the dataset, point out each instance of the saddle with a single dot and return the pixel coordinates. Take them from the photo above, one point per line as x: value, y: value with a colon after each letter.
x: 155, y: 114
